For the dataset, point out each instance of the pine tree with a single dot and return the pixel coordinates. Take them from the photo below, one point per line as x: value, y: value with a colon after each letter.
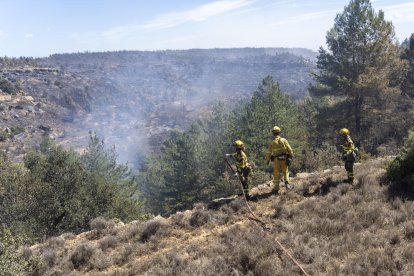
x: 103, y: 162
x: 362, y: 62
x: 408, y: 83
x: 172, y: 180
x: 267, y: 108
x: 218, y: 140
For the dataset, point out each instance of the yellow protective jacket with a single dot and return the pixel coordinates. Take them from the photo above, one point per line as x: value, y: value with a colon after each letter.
x: 241, y: 160
x: 278, y: 147
x: 348, y: 145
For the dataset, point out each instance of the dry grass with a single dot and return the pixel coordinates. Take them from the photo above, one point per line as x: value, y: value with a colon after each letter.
x: 331, y: 227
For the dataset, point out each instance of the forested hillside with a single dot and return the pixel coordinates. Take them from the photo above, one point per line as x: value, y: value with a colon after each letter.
x: 133, y: 98
x: 194, y: 76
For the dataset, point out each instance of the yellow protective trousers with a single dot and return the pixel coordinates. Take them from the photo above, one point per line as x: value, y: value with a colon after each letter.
x: 279, y: 166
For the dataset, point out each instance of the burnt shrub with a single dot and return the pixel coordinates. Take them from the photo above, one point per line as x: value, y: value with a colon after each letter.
x: 325, y: 227
x: 81, y: 255
x: 199, y: 217
x: 398, y: 217
x: 408, y: 230
x: 248, y: 246
x: 49, y: 256
x: 100, y: 260
x: 98, y: 223
x: 56, y: 242
x: 372, y: 262
x: 92, y: 235
x: 26, y: 253
x: 267, y: 266
x: 124, y: 254
x: 394, y: 238
x: 354, y: 199
x: 133, y: 231
x: 397, y: 203
x: 108, y: 242
x: 212, y: 266
x: 68, y: 236
x: 306, y: 255
x: 237, y: 206
x: 406, y: 253
x: 180, y: 220
x: 101, y: 225
x: 171, y: 263
x: 371, y: 214
x: 150, y: 229
x: 279, y: 210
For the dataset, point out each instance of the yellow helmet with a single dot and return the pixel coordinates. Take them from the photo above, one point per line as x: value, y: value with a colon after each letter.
x: 276, y: 129
x: 344, y: 131
x: 238, y: 144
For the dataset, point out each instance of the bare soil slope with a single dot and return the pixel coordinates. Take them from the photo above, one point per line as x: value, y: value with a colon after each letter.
x: 330, y: 227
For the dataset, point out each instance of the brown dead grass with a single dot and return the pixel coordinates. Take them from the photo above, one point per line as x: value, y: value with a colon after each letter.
x: 331, y: 227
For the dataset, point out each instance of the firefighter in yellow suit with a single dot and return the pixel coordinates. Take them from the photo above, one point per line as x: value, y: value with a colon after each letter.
x: 281, y: 154
x: 243, y: 167
x: 348, y: 154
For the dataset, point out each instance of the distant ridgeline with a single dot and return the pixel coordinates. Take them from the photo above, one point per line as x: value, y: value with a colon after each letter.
x: 145, y: 82
x: 190, y: 77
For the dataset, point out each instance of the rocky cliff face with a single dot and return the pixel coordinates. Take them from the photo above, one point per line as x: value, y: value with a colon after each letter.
x: 45, y: 103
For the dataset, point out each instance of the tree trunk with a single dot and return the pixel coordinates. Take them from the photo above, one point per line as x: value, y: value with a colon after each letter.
x: 358, y: 116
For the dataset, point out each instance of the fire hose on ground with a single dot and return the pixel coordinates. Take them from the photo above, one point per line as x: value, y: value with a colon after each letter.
x: 261, y: 223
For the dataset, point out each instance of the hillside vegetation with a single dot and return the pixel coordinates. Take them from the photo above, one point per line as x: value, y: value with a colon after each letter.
x: 329, y: 226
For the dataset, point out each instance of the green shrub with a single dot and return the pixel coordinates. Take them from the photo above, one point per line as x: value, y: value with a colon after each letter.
x: 3, y: 136
x: 15, y: 130
x: 12, y: 263
x: 8, y: 87
x: 57, y: 191
x: 15, y: 198
x: 401, y: 169
x: 69, y: 190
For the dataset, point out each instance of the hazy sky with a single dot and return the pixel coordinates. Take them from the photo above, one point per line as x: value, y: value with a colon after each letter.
x: 43, y: 27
